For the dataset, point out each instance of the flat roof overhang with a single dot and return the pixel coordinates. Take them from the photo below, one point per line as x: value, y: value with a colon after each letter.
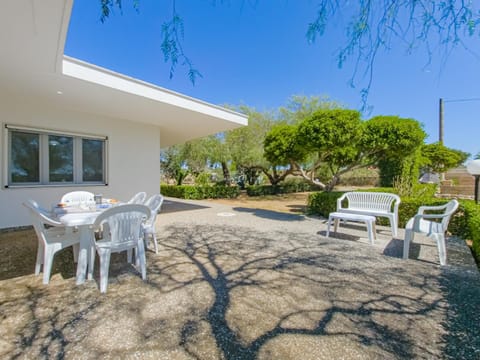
x: 32, y: 65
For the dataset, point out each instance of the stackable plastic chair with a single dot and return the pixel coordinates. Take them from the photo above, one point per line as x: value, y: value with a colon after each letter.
x: 52, y: 237
x: 154, y: 203
x: 76, y: 198
x: 124, y: 234
x: 426, y: 224
x: 138, y: 198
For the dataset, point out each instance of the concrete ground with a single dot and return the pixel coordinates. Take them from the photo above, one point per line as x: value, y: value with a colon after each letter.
x: 242, y: 283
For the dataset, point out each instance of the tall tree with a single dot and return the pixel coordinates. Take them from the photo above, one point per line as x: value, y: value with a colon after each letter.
x: 339, y: 140
x: 438, y: 158
x: 246, y: 144
x: 173, y: 164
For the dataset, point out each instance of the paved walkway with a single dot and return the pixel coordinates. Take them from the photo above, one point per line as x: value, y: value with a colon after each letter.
x: 240, y: 283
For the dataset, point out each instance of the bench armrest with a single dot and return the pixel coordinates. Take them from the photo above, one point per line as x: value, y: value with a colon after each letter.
x: 339, y: 201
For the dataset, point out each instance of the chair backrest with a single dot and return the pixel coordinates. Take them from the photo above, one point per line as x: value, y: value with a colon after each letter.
x: 78, y: 197
x: 40, y: 218
x: 372, y: 200
x: 138, y: 198
x: 154, y: 203
x: 450, y: 209
x: 124, y: 223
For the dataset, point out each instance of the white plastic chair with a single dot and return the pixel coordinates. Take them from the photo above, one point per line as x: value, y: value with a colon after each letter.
x: 138, y: 198
x: 154, y: 203
x: 50, y: 239
x: 124, y: 234
x: 433, y: 229
x: 76, y: 198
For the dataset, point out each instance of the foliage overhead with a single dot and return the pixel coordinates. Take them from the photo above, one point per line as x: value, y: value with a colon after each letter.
x: 369, y: 26
x: 374, y: 26
x: 172, y: 35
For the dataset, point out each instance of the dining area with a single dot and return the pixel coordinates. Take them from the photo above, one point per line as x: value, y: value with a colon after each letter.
x: 95, y: 227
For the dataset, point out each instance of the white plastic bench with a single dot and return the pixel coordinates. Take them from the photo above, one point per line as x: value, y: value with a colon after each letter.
x: 373, y: 204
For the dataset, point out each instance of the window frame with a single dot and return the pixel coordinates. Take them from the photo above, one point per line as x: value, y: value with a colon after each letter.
x: 44, y: 158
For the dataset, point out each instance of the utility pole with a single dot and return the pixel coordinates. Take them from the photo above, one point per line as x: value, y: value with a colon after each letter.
x: 440, y: 121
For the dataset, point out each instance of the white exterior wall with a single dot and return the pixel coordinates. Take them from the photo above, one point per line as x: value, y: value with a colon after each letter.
x: 133, y: 155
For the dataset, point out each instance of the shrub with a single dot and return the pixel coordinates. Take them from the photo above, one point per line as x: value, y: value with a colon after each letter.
x: 323, y: 203
x: 466, y: 224
x: 199, y: 192
x: 284, y: 188
x: 424, y: 191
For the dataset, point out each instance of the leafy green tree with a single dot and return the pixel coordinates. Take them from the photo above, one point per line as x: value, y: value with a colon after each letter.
x: 393, y: 143
x: 438, y: 158
x: 173, y: 164
x: 245, y: 144
x: 219, y: 153
x: 327, y: 137
x: 196, y: 155
x: 339, y: 140
x: 299, y: 107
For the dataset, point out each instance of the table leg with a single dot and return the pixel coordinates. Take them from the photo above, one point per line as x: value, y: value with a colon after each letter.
x: 84, y: 254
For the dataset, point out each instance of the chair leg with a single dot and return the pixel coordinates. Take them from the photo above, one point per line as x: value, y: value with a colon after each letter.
x: 47, y: 264
x: 104, y: 255
x: 130, y: 256
x: 409, y: 235
x: 40, y: 255
x: 141, y: 258
x: 91, y: 261
x: 442, y: 251
x: 155, y: 243
x: 76, y: 249
x: 394, y: 226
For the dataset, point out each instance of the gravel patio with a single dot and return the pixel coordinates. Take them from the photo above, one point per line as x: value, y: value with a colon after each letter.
x: 233, y: 282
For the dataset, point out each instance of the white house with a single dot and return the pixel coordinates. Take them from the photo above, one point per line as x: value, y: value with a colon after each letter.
x: 68, y: 125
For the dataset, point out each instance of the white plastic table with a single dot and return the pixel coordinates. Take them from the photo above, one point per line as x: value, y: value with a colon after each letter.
x: 367, y: 219
x: 83, y: 220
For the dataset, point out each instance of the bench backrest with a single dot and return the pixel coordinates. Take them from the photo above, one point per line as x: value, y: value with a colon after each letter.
x: 372, y: 201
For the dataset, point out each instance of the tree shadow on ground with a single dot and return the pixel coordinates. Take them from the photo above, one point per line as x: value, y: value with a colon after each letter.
x: 270, y: 214
x: 170, y: 206
x: 237, y: 293
x: 247, y: 266
x: 18, y: 250
x: 462, y: 323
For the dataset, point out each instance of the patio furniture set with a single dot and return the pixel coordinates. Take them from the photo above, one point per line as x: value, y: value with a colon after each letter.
x: 366, y: 206
x: 94, y: 225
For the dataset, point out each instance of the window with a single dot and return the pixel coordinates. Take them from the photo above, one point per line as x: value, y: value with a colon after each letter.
x: 37, y: 157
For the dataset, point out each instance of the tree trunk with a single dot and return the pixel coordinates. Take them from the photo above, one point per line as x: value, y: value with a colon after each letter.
x: 331, y: 184
x: 226, y: 173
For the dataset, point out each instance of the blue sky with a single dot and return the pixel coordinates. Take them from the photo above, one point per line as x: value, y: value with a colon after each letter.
x: 255, y: 53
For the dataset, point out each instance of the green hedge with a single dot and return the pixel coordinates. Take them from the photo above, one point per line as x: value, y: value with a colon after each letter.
x: 261, y: 190
x: 465, y: 223
x: 200, y: 192
x: 419, y: 190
